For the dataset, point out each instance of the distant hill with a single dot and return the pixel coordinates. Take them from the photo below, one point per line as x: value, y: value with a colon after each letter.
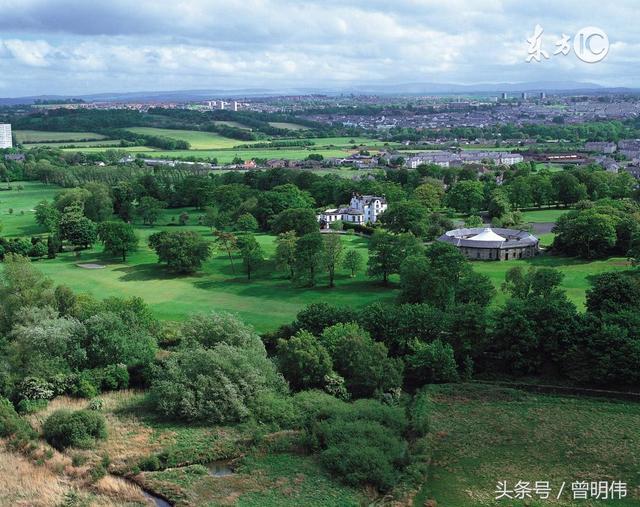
x: 377, y: 88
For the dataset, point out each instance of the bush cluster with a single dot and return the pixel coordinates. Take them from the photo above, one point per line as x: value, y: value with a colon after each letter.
x: 81, y: 428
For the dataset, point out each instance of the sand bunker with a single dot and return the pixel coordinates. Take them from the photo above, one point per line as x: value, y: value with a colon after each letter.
x: 90, y: 265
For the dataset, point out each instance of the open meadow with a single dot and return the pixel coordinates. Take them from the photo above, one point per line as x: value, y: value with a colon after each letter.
x: 197, y: 139
x: 481, y: 434
x: 41, y: 136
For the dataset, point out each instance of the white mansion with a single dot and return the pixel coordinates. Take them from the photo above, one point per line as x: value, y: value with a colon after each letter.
x: 363, y: 209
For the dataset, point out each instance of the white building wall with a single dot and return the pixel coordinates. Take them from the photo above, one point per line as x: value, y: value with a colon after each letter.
x: 5, y: 136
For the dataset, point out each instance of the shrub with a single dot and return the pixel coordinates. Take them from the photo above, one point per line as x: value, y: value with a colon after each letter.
x: 97, y: 472
x: 96, y: 404
x: 34, y: 388
x: 149, y: 464
x: 64, y: 428
x: 32, y: 406
x: 275, y: 409
x: 432, y: 363
x: 214, y: 328
x: 304, y: 361
x: 362, y: 452
x: 313, y: 405
x: 419, y: 412
x: 115, y: 376
x: 217, y: 385
x: 85, y: 386
x: 12, y: 425
x: 362, y: 442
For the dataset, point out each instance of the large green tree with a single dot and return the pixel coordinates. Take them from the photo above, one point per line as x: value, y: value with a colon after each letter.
x: 76, y: 228
x: 251, y: 253
x: 332, y: 254
x: 387, y: 251
x: 119, y: 238
x: 406, y: 216
x: 309, y: 256
x: 182, y: 251
x: 303, y: 361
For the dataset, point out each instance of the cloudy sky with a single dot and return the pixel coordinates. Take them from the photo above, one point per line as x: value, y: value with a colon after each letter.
x: 90, y: 46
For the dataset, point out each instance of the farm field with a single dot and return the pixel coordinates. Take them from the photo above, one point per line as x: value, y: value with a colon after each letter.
x: 109, y: 143
x: 480, y: 435
x: 287, y: 125
x: 38, y: 136
x: 197, y: 139
x: 227, y: 156
x: 208, y: 145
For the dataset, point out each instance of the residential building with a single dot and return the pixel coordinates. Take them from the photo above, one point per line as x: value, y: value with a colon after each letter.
x: 633, y: 170
x: 600, y: 147
x: 362, y: 209
x: 447, y: 159
x: 5, y: 136
x: 370, y: 205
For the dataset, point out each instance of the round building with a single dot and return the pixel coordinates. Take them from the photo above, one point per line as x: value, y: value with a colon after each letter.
x: 485, y: 243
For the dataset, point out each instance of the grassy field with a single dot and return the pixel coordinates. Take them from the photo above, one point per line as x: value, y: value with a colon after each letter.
x: 208, y: 145
x: 39, y: 136
x: 267, y: 301
x: 80, y: 145
x: 16, y: 207
x: 197, y: 139
x: 544, y: 214
x: 286, y: 125
x: 480, y: 435
x: 578, y: 273
x: 226, y: 156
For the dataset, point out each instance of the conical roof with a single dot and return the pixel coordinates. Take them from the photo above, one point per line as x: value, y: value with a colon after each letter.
x: 487, y: 235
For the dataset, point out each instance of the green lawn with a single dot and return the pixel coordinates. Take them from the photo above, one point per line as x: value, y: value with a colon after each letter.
x: 544, y: 214
x: 21, y: 222
x: 38, y: 136
x: 265, y: 302
x: 577, y: 272
x: 480, y: 435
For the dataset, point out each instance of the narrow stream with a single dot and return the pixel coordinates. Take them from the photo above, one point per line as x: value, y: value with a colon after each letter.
x: 220, y: 468
x: 158, y: 502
